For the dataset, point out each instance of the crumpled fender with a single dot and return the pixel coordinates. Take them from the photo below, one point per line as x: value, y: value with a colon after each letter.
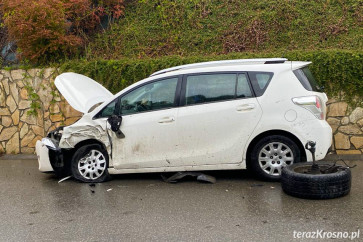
x: 72, y: 135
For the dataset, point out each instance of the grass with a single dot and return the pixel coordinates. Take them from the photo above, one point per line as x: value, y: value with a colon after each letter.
x: 153, y: 28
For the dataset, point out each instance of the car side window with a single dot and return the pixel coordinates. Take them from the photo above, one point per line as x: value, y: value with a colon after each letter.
x: 108, y: 110
x: 150, y: 97
x: 243, y: 88
x: 210, y: 88
x: 260, y: 81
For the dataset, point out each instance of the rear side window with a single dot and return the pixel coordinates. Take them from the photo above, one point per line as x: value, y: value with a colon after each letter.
x: 260, y: 81
x: 243, y: 88
x: 210, y: 88
x: 307, y: 79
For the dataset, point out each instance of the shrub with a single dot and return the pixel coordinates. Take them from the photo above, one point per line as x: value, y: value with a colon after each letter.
x: 46, y: 30
x: 153, y: 28
x: 339, y: 71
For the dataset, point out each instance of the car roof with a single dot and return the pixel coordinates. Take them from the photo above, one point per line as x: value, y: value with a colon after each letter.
x: 261, y: 64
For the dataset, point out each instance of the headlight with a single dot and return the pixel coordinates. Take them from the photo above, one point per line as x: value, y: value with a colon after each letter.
x: 49, y: 143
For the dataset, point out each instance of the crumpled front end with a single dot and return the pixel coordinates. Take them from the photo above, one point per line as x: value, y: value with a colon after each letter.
x: 50, y: 155
x: 73, y: 135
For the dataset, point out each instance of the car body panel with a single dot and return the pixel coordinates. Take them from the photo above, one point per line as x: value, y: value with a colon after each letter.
x: 81, y: 92
x: 216, y: 132
x: 43, y: 157
x: 149, y: 142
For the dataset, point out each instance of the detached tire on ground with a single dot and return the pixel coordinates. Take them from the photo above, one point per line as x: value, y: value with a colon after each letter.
x: 89, y: 164
x: 315, y: 186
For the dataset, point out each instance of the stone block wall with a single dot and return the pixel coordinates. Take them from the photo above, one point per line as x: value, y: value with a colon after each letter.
x: 347, y: 125
x: 30, y: 106
x: 21, y: 127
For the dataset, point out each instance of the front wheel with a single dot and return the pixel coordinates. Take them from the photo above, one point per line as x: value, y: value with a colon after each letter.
x: 89, y: 164
x: 271, y: 154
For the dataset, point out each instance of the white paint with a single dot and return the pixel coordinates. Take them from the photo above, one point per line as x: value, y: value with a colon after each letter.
x: 81, y: 92
x: 147, y: 142
x: 290, y: 115
x: 43, y: 157
x: 238, y: 166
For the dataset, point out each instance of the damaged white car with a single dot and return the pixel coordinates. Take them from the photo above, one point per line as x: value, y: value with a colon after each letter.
x: 254, y: 113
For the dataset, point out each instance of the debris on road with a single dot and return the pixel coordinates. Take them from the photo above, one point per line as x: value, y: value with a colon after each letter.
x: 92, y: 185
x: 63, y: 179
x: 200, y: 177
x: 110, y: 189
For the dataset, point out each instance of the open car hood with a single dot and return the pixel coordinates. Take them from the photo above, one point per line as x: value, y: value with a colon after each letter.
x: 81, y: 92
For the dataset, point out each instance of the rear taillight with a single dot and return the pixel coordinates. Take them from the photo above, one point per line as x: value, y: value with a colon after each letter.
x: 313, y: 104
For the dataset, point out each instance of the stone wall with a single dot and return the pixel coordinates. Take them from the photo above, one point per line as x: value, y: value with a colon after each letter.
x: 30, y: 107
x: 347, y: 125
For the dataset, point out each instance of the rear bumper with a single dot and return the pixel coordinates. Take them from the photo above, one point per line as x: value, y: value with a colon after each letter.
x: 43, y: 157
x: 320, y: 132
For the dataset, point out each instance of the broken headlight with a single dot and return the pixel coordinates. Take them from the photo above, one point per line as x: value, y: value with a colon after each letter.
x: 50, y: 144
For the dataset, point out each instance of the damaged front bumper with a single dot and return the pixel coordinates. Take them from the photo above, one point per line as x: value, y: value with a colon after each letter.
x: 48, y: 150
x: 50, y: 155
x: 43, y: 157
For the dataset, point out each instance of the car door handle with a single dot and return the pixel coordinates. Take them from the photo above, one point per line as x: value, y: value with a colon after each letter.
x: 166, y: 120
x: 245, y: 107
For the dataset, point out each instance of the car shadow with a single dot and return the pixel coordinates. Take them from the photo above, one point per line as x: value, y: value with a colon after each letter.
x: 219, y: 175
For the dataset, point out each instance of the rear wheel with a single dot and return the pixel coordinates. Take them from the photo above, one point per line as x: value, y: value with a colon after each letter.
x: 271, y: 154
x: 89, y: 164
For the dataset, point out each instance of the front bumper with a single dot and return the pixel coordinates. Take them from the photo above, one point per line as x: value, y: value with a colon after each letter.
x: 43, y: 157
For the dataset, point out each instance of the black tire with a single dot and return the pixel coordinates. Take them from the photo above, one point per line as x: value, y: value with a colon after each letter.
x: 83, y: 152
x: 255, y: 165
x: 60, y: 163
x: 320, y: 186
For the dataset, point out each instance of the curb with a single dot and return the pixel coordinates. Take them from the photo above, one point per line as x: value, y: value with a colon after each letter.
x: 18, y: 157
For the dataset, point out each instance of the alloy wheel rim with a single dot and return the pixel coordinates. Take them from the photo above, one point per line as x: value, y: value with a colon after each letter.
x: 274, y: 156
x: 92, y: 165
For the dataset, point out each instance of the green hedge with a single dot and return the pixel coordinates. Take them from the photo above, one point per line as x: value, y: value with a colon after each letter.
x: 339, y: 71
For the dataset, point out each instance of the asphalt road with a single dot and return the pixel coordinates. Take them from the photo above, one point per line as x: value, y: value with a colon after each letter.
x: 141, y: 207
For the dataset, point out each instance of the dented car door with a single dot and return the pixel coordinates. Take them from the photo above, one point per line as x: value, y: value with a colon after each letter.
x: 149, y: 115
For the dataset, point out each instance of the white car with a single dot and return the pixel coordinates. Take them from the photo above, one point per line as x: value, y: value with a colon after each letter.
x: 234, y: 114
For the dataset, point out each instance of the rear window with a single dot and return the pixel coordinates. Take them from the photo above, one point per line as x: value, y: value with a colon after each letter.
x: 307, y: 79
x: 260, y: 81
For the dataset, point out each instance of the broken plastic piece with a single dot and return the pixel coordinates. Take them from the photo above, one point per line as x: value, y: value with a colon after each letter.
x: 179, y: 175
x: 63, y: 179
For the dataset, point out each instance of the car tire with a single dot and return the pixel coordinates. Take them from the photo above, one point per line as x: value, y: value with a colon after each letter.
x: 270, y: 154
x: 315, y: 186
x: 60, y: 164
x: 89, y: 164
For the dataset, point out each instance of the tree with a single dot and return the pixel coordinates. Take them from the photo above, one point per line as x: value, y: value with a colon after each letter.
x: 48, y: 30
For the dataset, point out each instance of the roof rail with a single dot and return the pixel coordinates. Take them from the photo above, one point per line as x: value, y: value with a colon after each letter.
x: 222, y: 62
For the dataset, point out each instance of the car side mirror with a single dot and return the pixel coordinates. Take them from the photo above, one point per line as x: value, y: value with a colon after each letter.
x: 115, y: 122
